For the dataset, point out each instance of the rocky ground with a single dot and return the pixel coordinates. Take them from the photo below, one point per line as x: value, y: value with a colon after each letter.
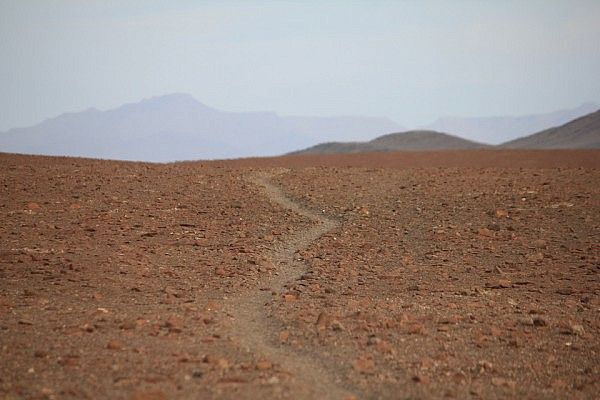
x: 426, y: 275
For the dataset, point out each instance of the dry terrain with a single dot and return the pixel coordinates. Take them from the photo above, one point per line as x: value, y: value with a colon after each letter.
x: 459, y: 274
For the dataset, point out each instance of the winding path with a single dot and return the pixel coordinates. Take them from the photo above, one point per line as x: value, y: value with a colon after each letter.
x: 257, y: 331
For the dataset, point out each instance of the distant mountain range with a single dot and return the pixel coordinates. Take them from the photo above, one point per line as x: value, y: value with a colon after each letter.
x: 581, y: 133
x: 411, y: 140
x: 496, y: 130
x: 178, y: 127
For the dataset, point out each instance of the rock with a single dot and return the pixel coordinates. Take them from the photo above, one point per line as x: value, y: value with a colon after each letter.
x: 284, y: 336
x: 420, y: 379
x: 323, y: 320
x: 416, y: 329
x: 128, y: 324
x: 40, y: 353
x: 289, y: 298
x: 539, y: 321
x: 220, y: 271
x: 493, y: 227
x: 499, y: 284
x: 501, y: 213
x: 525, y: 321
x: 364, y: 365
x: 485, y: 232
x: 264, y: 365
x: 222, y: 363
x: 337, y: 325
x: 115, y: 344
x: 497, y: 381
x: 578, y: 330
x: 174, y: 323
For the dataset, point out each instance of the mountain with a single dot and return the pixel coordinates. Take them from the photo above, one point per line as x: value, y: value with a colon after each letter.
x: 411, y: 140
x: 495, y: 130
x: 178, y: 127
x: 581, y: 133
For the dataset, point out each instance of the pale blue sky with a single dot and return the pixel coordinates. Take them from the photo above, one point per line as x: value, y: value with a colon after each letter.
x: 411, y: 61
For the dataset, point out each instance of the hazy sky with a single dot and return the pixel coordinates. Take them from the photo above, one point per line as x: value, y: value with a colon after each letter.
x: 411, y: 61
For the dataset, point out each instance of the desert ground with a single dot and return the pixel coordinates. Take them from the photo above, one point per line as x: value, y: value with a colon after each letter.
x: 416, y: 275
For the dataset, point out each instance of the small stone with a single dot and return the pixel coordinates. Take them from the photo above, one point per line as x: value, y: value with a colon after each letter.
x: 578, y: 330
x: 539, y: 321
x: 525, y: 321
x: 40, y: 353
x: 416, y: 329
x: 497, y: 381
x: 115, y: 344
x: 485, y: 232
x: 493, y: 227
x: 264, y: 365
x: 420, y: 379
x: 337, y: 325
x: 284, y: 336
x: 174, y: 323
x: 364, y: 365
x: 323, y: 320
x: 501, y: 213
x: 128, y: 324
x: 222, y: 363
x: 289, y: 298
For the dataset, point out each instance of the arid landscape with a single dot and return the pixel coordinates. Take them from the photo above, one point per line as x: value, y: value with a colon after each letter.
x: 450, y: 274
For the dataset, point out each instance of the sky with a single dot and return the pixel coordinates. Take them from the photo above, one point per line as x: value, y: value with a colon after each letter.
x: 411, y: 61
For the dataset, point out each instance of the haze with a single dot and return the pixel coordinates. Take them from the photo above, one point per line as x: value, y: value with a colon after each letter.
x: 408, y: 61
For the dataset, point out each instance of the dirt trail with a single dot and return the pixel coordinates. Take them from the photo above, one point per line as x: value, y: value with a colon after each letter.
x: 258, y: 332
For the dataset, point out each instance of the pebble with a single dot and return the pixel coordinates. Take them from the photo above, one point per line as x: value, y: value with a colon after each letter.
x: 115, y: 344
x: 364, y: 365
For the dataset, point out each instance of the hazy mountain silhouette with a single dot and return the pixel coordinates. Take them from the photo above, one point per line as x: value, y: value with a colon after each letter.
x: 411, y: 140
x: 581, y: 133
x: 495, y: 130
x: 178, y: 127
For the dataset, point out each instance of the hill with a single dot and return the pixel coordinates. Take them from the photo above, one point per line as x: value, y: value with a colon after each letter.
x: 581, y: 133
x: 178, y: 127
x: 410, y: 140
x: 496, y: 130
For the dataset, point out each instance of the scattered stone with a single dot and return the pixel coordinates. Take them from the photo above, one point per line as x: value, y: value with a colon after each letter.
x: 501, y: 213
x: 128, y: 324
x: 420, y: 379
x: 364, y: 365
x: 289, y: 298
x: 497, y: 381
x: 264, y: 365
x: 337, y: 325
x: 284, y: 336
x: 578, y: 330
x: 40, y: 354
x: 499, y: 284
x: 174, y: 323
x: 115, y: 344
x: 323, y: 320
x: 525, y: 321
x: 485, y: 232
